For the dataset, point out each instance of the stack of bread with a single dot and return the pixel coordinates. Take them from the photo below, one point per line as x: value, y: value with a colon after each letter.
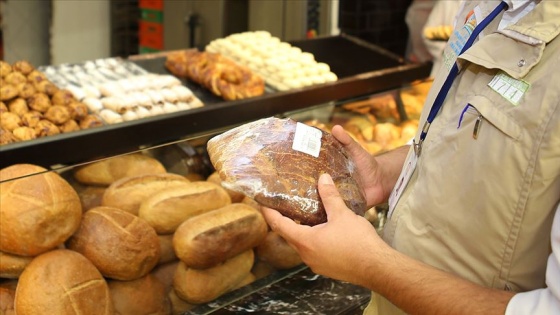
x: 119, y: 90
x: 282, y: 65
x: 125, y: 236
x: 31, y: 106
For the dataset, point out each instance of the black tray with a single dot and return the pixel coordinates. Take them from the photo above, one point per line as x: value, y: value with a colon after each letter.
x: 362, y: 68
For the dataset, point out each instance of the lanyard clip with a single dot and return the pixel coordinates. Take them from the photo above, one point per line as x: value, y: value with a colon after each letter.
x: 417, y: 147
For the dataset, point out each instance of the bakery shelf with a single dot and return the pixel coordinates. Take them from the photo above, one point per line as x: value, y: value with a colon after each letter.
x: 362, y: 68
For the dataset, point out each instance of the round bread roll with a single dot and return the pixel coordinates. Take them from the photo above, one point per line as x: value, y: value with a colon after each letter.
x: 121, y: 245
x: 144, y: 295
x: 11, y: 266
x: 107, y: 171
x: 167, y: 253
x: 166, y: 210
x: 199, y: 286
x: 208, y: 239
x: 129, y: 192
x: 234, y: 195
x: 62, y: 282
x: 38, y: 212
x: 277, y: 252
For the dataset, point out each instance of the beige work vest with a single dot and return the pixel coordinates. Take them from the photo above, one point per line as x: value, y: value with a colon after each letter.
x: 483, y: 208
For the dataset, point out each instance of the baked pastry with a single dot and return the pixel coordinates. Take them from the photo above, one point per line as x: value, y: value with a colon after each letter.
x: 62, y: 282
x: 38, y: 212
x: 121, y: 245
x: 211, y: 238
x: 275, y: 251
x: 259, y: 160
x: 199, y: 286
x: 217, y: 73
x: 129, y: 192
x: 107, y: 171
x: 145, y: 295
x: 11, y: 266
x: 168, y: 208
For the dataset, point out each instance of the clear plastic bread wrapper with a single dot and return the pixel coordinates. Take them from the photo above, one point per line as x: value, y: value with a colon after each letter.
x: 277, y: 162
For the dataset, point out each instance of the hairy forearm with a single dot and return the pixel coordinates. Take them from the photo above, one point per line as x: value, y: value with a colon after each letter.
x: 390, y: 166
x: 418, y: 288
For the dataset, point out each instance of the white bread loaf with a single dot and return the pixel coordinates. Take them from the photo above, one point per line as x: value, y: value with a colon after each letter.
x: 197, y: 286
x: 129, y: 192
x: 105, y: 172
x: 121, y: 245
x: 62, y: 282
x: 210, y: 238
x: 167, y: 209
x: 38, y: 212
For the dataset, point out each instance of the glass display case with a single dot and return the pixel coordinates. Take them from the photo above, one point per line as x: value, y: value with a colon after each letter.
x: 49, y: 185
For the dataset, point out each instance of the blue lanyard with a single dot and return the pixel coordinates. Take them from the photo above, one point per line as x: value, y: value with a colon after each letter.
x: 442, y: 94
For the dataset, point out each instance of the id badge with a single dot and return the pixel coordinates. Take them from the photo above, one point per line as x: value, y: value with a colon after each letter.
x: 406, y: 173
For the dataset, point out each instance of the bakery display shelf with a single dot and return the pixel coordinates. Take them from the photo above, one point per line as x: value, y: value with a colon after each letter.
x: 362, y: 69
x: 297, y: 291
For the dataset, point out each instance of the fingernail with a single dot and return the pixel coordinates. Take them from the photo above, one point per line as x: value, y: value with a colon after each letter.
x: 325, y: 179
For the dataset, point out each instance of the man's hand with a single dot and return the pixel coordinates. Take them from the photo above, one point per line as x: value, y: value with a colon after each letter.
x: 377, y: 174
x: 336, y: 248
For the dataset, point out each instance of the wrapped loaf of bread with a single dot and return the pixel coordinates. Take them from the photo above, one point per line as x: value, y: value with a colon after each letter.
x: 277, y: 162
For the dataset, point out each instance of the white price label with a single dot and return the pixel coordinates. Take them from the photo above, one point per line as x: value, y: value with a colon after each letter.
x: 307, y: 139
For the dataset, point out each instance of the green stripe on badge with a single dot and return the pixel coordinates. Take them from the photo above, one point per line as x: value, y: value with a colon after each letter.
x: 508, y: 87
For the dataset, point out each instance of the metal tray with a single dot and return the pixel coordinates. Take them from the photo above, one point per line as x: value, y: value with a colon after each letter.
x: 362, y: 69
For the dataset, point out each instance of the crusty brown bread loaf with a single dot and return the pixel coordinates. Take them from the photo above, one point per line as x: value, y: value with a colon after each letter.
x: 145, y: 295
x: 11, y: 266
x: 105, y: 172
x: 199, y: 286
x: 258, y: 160
x: 167, y: 209
x: 37, y: 212
x: 277, y: 252
x: 209, y: 239
x: 129, y: 192
x: 62, y: 282
x: 121, y: 245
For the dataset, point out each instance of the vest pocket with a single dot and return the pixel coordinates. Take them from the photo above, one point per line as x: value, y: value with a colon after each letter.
x: 487, y: 112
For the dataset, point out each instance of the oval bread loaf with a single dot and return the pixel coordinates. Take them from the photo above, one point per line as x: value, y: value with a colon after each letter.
x: 210, y: 238
x: 166, y: 210
x: 105, y: 172
x: 199, y: 286
x: 129, y: 192
x: 11, y: 266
